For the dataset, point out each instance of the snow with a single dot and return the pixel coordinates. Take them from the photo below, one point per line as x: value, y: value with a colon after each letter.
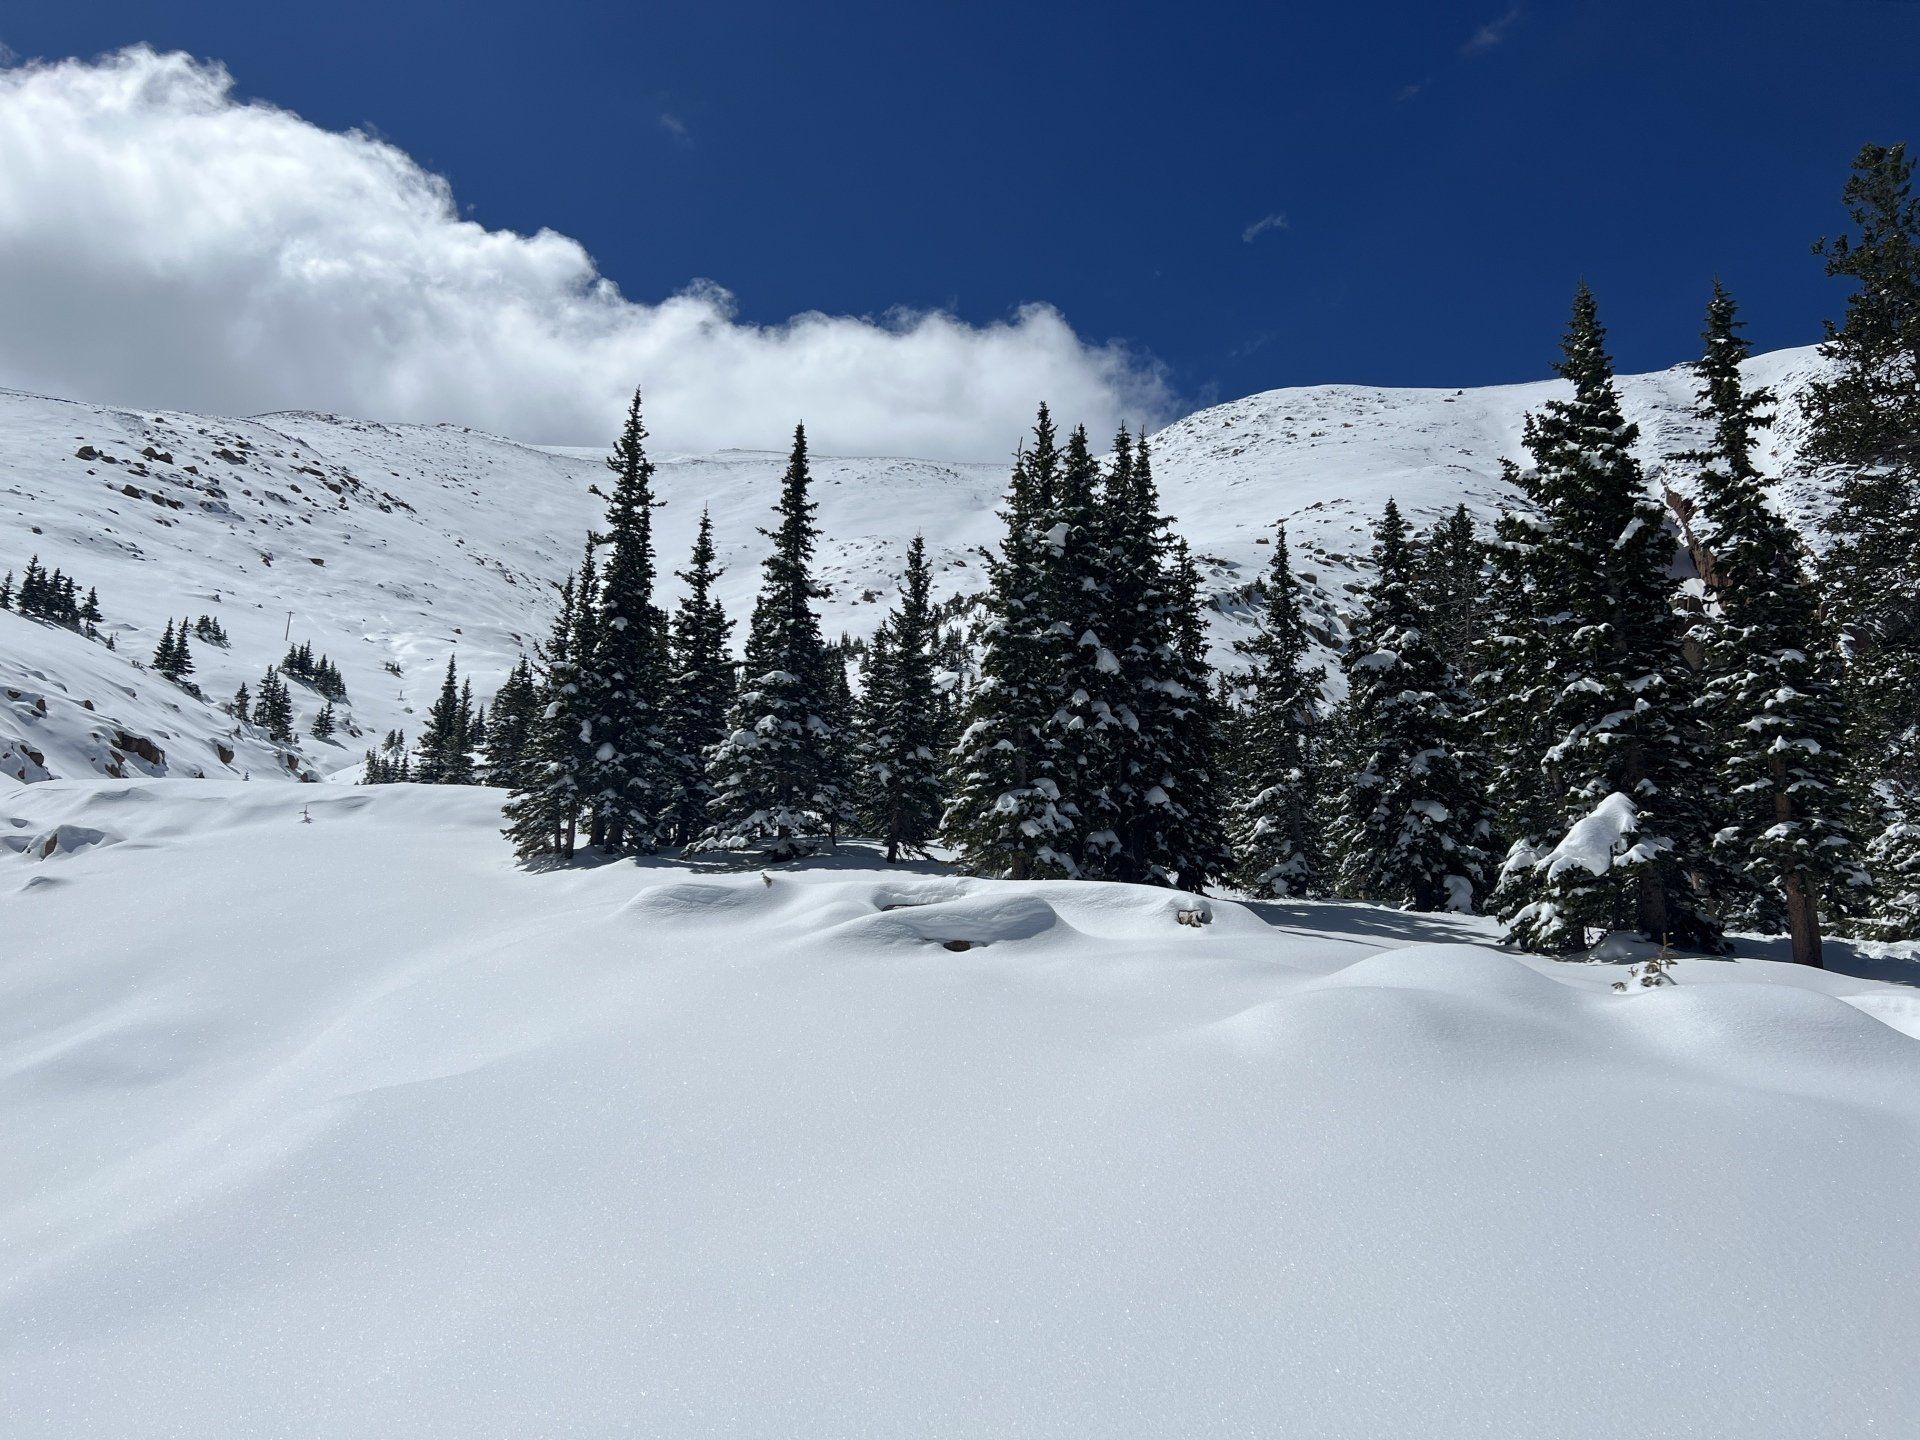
x: 680, y: 1150
x: 400, y: 545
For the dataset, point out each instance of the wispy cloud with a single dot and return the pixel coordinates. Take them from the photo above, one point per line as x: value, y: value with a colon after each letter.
x: 1253, y: 232
x: 676, y: 127
x: 1493, y: 33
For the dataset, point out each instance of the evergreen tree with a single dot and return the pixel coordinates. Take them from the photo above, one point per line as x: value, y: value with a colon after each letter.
x: 273, y: 707
x: 6, y: 592
x: 1187, y: 845
x: 699, y: 693
x: 1865, y: 422
x: 182, y: 655
x: 899, y: 719
x: 773, y: 773
x: 1622, y: 813
x: 1276, y: 840
x: 1408, y: 829
x: 165, y: 654
x: 323, y: 723
x: 443, y: 758
x: 1450, y: 588
x: 1772, y: 698
x: 511, y: 721
x: 623, y: 675
x: 242, y: 706
x: 1005, y: 816
x: 543, y: 810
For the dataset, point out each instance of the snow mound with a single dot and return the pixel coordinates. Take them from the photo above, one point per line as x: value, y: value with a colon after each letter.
x: 322, y: 1118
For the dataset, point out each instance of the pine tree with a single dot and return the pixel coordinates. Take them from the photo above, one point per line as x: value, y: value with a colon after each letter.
x: 273, y: 707
x: 899, y: 736
x: 6, y: 592
x: 165, y: 654
x: 1005, y: 816
x: 699, y: 692
x: 773, y: 773
x: 242, y: 706
x: 510, y: 724
x: 543, y: 810
x: 182, y: 655
x: 624, y: 675
x: 1408, y: 830
x: 1187, y: 845
x: 1450, y: 588
x: 443, y: 757
x: 323, y: 723
x: 1772, y: 697
x: 1621, y: 808
x: 1275, y: 820
x: 1865, y: 422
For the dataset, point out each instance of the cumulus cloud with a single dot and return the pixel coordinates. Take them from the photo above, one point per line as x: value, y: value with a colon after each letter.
x: 166, y: 244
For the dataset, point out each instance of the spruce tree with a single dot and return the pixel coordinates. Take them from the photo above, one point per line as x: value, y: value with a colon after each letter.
x: 1005, y: 816
x: 543, y: 809
x: 323, y: 723
x: 1091, y: 700
x: 699, y: 691
x: 165, y: 653
x: 443, y: 758
x: 1277, y: 843
x: 1182, y: 797
x: 773, y: 772
x: 899, y: 720
x: 1450, y: 588
x: 1865, y: 423
x: 273, y: 707
x: 1623, y: 761
x: 1408, y: 829
x: 6, y: 592
x: 242, y: 706
x: 1772, y: 697
x: 510, y: 722
x: 624, y: 675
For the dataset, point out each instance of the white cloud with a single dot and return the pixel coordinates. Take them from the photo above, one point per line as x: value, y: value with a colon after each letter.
x: 1491, y: 34
x: 167, y: 245
x: 676, y: 127
x: 1261, y: 226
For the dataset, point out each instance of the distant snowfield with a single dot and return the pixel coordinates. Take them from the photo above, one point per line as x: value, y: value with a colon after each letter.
x: 321, y: 1119
x: 402, y: 545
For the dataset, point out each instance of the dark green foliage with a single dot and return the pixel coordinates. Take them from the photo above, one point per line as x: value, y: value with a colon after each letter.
x: 1408, y: 831
x: 776, y: 782
x: 899, y: 729
x: 324, y: 723
x: 444, y: 755
x: 1005, y: 816
x: 273, y: 707
x: 1611, y: 830
x: 698, y: 692
x: 1865, y: 421
x: 1276, y: 739
x: 623, y: 674
x: 1772, y: 698
x: 511, y: 720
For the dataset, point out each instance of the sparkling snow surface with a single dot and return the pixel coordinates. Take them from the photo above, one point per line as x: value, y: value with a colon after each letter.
x: 342, y: 1126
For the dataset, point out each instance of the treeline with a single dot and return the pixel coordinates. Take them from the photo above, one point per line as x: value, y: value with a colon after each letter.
x: 1554, y: 723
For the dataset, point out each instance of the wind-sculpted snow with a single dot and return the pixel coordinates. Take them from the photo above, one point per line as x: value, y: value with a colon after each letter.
x: 321, y: 1118
x: 392, y: 547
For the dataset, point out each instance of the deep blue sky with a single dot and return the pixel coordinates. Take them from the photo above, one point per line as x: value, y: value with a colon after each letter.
x: 1441, y: 195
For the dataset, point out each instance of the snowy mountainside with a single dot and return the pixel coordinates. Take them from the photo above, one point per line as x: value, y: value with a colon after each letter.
x: 662, y: 1149
x: 401, y: 545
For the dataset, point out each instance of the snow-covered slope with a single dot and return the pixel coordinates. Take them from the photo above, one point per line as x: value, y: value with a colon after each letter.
x: 401, y: 545
x: 654, y: 1151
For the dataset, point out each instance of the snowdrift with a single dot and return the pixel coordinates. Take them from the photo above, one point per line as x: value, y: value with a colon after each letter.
x: 323, y: 1120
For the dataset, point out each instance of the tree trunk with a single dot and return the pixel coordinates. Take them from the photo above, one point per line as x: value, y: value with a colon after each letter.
x: 1803, y: 921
